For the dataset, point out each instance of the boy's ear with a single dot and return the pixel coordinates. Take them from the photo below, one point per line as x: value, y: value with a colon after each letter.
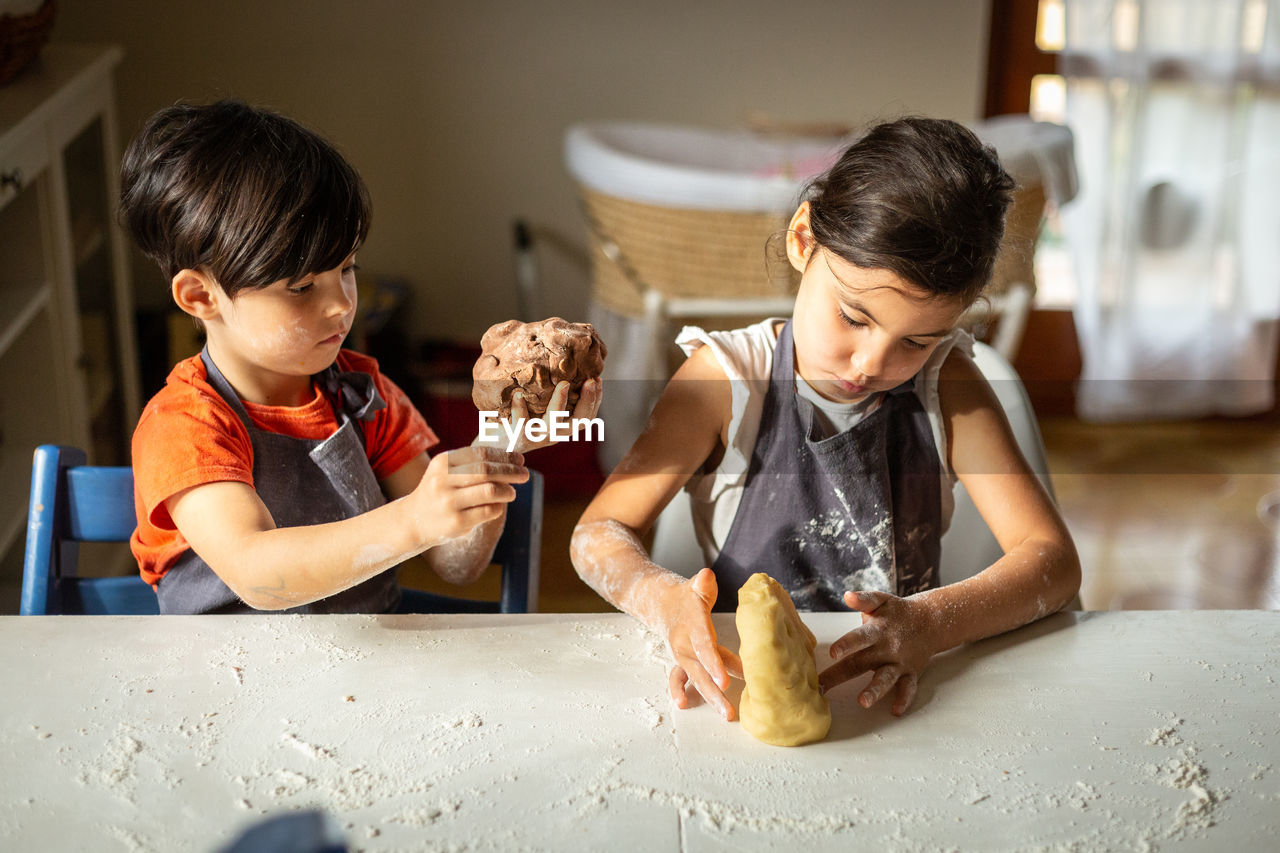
x: 196, y: 293
x: 800, y: 241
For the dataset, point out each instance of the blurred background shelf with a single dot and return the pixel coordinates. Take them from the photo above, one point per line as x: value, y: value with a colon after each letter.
x: 68, y: 351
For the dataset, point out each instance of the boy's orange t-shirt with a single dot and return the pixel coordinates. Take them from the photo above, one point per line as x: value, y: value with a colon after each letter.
x: 188, y: 436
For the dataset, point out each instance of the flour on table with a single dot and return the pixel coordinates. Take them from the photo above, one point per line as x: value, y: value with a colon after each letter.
x: 291, y: 782
x: 132, y: 841
x: 411, y: 768
x: 650, y: 713
x: 759, y: 815
x: 1184, y: 772
x: 308, y: 749
x: 466, y: 721
x: 114, y: 769
x: 424, y: 816
x: 230, y: 660
x: 655, y: 649
x: 1166, y: 735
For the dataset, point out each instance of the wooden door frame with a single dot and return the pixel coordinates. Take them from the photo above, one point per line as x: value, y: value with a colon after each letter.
x: 1012, y: 57
x: 1049, y: 359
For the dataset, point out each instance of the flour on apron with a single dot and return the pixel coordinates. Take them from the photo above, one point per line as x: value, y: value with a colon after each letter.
x: 860, y: 510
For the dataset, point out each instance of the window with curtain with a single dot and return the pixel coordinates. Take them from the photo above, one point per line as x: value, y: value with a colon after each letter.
x: 1174, y: 238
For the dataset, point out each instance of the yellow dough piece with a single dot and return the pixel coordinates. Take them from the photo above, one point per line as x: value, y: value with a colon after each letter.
x: 780, y: 704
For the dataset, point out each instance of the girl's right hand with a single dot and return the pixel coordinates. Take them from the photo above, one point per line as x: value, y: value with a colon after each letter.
x: 462, y: 489
x: 686, y: 611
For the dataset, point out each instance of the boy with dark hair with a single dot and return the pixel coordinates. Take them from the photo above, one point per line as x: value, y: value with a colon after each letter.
x: 277, y: 470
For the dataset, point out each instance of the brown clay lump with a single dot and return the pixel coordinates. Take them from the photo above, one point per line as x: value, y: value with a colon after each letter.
x: 534, y: 358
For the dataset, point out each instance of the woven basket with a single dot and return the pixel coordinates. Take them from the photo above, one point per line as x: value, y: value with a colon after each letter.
x: 1016, y: 261
x: 730, y: 254
x: 682, y: 253
x: 22, y: 37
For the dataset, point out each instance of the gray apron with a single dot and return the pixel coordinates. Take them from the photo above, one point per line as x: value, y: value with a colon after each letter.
x: 860, y: 510
x: 301, y: 482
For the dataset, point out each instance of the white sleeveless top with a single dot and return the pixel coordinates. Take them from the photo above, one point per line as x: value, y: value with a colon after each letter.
x: 746, y: 357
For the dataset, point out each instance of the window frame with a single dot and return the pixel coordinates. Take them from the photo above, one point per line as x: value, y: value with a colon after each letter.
x: 1013, y: 58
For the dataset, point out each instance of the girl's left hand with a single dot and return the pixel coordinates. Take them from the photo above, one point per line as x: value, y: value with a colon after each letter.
x: 892, y: 642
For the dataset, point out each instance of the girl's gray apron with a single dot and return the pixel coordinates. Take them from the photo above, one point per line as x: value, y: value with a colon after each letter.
x: 861, y: 510
x: 302, y: 482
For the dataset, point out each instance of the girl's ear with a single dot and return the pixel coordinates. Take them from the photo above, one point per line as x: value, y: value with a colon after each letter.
x: 800, y: 242
x: 196, y: 293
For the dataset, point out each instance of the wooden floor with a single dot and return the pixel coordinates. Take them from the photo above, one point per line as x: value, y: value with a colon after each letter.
x: 1171, y: 516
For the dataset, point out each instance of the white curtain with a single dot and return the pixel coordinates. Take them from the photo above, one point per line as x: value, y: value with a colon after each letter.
x: 1175, y: 236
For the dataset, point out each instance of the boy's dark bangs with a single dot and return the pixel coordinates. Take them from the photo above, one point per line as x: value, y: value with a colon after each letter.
x: 299, y: 223
x: 327, y: 225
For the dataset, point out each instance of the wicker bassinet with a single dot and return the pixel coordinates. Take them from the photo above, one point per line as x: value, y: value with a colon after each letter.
x: 695, y: 214
x: 682, y: 253
x: 688, y: 213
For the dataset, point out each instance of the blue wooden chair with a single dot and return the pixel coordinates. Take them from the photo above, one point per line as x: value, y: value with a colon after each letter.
x: 517, y: 553
x: 72, y: 502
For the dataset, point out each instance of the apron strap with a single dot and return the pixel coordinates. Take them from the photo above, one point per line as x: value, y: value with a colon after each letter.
x: 352, y: 393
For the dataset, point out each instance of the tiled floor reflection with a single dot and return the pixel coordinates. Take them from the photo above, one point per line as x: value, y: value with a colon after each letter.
x: 1171, y: 516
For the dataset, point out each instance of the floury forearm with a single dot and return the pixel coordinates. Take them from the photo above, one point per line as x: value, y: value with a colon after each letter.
x: 610, y: 558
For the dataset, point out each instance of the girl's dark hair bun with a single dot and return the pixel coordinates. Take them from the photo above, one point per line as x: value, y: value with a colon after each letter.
x: 921, y: 197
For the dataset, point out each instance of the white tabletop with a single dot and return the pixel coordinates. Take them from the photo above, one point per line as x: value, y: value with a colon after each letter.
x: 1084, y: 731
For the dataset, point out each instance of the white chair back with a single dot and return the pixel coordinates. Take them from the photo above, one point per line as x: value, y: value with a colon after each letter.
x: 968, y: 546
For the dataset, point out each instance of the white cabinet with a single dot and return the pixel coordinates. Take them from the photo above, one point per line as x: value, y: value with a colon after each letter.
x: 68, y: 354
